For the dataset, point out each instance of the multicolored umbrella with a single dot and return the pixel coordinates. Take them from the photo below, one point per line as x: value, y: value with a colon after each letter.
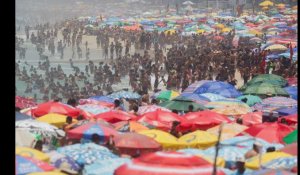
x: 252, y: 118
x: 270, y: 132
x: 87, y: 153
x: 287, y: 111
x: 63, y: 162
x: 191, y: 88
x: 55, y: 107
x: 265, y: 89
x: 94, y: 109
x: 291, y: 149
x: 130, y: 126
x: 124, y: 94
x: 103, y: 98
x: 279, y: 102
x: 195, y: 97
x: 95, y: 102
x: 114, y: 116
x: 26, y: 165
x: 293, y: 91
x: 32, y: 153
x: 271, y: 172
x: 250, y: 99
x: 229, y: 130
x: 106, y: 167
x: 20, y: 116
x: 198, y: 139
x: 167, y: 95
x: 57, y: 120
x: 212, y: 97
x: 181, y: 104
x: 132, y: 143
x: 165, y: 163
x: 23, y: 102
x: 276, y: 47
x: 291, y: 137
x: 150, y: 108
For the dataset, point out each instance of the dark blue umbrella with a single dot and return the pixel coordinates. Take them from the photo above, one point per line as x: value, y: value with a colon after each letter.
x: 293, y: 91
x: 20, y: 116
x: 287, y: 111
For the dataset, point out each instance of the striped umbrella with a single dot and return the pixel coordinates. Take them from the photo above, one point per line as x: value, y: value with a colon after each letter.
x: 150, y: 108
x: 26, y: 165
x: 229, y: 130
x: 191, y: 88
x: 279, y: 102
x: 167, y: 95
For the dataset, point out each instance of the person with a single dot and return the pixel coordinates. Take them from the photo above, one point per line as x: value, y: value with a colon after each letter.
x: 271, y: 149
x: 154, y: 102
x: 239, y: 121
x: 191, y: 108
x: 117, y: 104
x: 95, y: 138
x: 39, y: 145
x: 72, y: 102
x: 175, y: 111
x: 254, y: 151
x: 240, y: 166
x: 173, y: 130
x: 283, y: 121
x: 69, y: 120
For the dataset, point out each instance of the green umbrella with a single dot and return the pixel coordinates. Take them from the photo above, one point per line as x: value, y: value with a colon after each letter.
x: 266, y: 78
x: 167, y: 95
x: 291, y: 137
x: 181, y: 104
x: 265, y: 89
x: 251, y: 99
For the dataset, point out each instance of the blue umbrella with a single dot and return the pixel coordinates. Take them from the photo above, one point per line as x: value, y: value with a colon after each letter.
x: 104, y: 167
x: 87, y: 153
x: 212, y: 97
x: 20, y: 116
x: 103, y: 98
x: 287, y: 111
x: 286, y: 163
x: 125, y: 94
x: 293, y: 91
x: 194, y: 97
x: 67, y: 164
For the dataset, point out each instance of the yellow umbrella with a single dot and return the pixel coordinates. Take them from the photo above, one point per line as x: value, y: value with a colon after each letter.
x: 200, y: 31
x: 255, y: 32
x: 276, y: 47
x: 57, y: 120
x: 226, y: 29
x: 280, y: 5
x: 272, y: 33
x: 48, y: 173
x: 167, y: 141
x: 29, y: 152
x: 266, y: 3
x: 265, y: 8
x: 171, y: 31
x: 229, y: 130
x: 231, y: 110
x: 253, y: 163
x: 198, y: 139
x: 220, y: 26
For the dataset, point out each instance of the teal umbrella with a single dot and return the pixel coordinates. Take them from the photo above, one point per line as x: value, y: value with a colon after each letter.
x: 266, y: 78
x: 251, y: 99
x: 265, y: 89
x: 182, y: 104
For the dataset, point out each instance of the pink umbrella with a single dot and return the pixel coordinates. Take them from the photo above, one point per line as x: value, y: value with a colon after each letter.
x: 23, y: 102
x: 252, y: 118
x: 150, y: 108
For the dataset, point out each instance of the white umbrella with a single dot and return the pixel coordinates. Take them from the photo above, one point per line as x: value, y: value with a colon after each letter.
x: 187, y: 3
x: 24, y: 138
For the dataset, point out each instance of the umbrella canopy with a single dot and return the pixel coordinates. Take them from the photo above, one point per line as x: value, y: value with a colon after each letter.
x: 252, y: 118
x: 287, y: 111
x: 63, y: 162
x: 87, y: 130
x: 285, y: 163
x: 181, y: 104
x: 291, y: 119
x: 291, y: 137
x: 94, y: 109
x: 24, y: 138
x: 165, y: 163
x: 212, y: 97
x: 266, y: 3
x: 25, y: 165
x: 279, y: 102
x: 271, y: 172
x: 36, y: 127
x: 250, y: 99
x: 87, y: 153
x: 264, y: 89
x: 103, y: 98
x: 202, y: 120
x: 167, y: 95
x: 55, y: 107
x: 124, y: 94
x: 233, y: 110
x: 191, y: 88
x: 23, y: 102
x: 271, y: 132
x: 57, y: 120
x: 115, y: 116
x: 293, y: 91
x: 167, y: 141
x: 150, y: 108
x: 198, y: 139
x: 20, y: 116
x: 195, y: 97
x: 187, y: 3
x: 253, y: 163
x: 132, y: 143
x: 229, y: 130
x: 276, y: 47
x: 32, y: 153
x: 291, y: 149
x: 106, y: 167
x: 129, y: 126
x: 267, y: 78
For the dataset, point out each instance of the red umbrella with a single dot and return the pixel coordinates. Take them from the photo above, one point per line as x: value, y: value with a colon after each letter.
x: 23, y: 102
x: 291, y: 119
x: 284, y: 34
x: 92, y: 101
x: 295, y: 169
x: 250, y: 25
x: 55, y: 107
x: 130, y: 143
x: 167, y: 163
x: 202, y: 120
x: 115, y: 116
x: 252, y: 118
x: 291, y: 149
x: 292, y: 81
x: 270, y: 132
x: 160, y: 119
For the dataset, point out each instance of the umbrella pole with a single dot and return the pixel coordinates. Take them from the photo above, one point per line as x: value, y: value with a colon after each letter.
x: 217, y: 150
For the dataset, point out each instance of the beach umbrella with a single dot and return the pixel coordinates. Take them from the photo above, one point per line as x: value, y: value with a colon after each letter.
x: 114, y: 116
x: 253, y: 163
x: 279, y: 102
x: 124, y: 94
x: 291, y: 137
x: 160, y: 119
x: 285, y: 163
x: 271, y: 132
x: 268, y: 78
x: 229, y: 130
x: 291, y: 119
x: 202, y: 120
x: 24, y: 138
x: 225, y: 30
x: 264, y: 89
x: 57, y: 120
x: 191, y: 88
x: 106, y: 167
x: 252, y: 118
x: 181, y: 104
x: 195, y: 97
x: 292, y: 81
x: 293, y: 91
x: 87, y: 153
x: 291, y: 149
x: 270, y: 172
x: 32, y: 153
x: 287, y: 111
x: 55, y: 107
x: 231, y: 109
x: 250, y: 99
x: 150, y: 108
x: 63, y: 162
x: 28, y: 111
x: 167, y: 141
x: 93, y: 109
x: 228, y: 153
x: 167, y: 95
x: 198, y: 139
x: 86, y: 131
x: 26, y: 165
x: 20, y: 116
x: 23, y: 102
x: 200, y: 31
x: 165, y: 163
x: 130, y: 126
x: 132, y: 143
x: 103, y: 98
x: 36, y: 127
x: 276, y: 47
x: 212, y: 97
